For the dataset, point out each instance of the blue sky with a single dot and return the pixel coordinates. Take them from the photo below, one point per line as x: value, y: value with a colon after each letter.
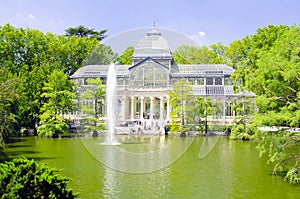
x: 206, y: 21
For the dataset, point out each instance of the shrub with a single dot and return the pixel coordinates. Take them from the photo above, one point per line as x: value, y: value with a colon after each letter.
x: 293, y: 176
x: 23, y: 178
x: 168, y: 128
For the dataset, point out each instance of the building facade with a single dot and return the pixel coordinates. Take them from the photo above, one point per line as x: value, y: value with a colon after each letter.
x: 143, y: 87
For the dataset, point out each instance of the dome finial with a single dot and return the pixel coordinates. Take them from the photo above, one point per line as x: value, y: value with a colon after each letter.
x: 153, y: 24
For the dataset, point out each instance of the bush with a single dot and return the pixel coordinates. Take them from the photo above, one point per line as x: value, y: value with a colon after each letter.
x: 238, y: 132
x: 23, y: 178
x: 293, y: 176
x: 168, y: 128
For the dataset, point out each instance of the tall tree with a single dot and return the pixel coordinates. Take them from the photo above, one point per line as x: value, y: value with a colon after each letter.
x: 58, y: 97
x: 31, y: 56
x: 94, y: 95
x: 82, y: 31
x: 101, y: 54
x: 192, y: 55
x: 69, y: 53
x: 270, y: 67
x: 218, y: 53
x: 125, y: 57
x: 180, y: 96
x: 200, y: 109
x: 8, y: 99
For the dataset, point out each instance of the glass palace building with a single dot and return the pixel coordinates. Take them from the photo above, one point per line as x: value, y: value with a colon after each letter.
x: 143, y: 87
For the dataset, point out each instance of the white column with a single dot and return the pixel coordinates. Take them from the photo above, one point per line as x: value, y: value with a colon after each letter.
x: 151, y: 107
x: 168, y: 109
x: 162, y: 103
x: 142, y: 108
x: 224, y: 110
x: 132, y: 108
x: 122, y: 111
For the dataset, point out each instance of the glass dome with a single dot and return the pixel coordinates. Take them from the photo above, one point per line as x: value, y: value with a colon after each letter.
x: 152, y: 45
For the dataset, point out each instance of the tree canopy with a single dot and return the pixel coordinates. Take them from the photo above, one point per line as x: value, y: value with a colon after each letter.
x: 215, y: 54
x: 95, y: 94
x: 271, y: 69
x: 180, y: 96
x: 126, y: 56
x: 268, y: 64
x: 27, y: 58
x: 82, y: 31
x: 58, y: 95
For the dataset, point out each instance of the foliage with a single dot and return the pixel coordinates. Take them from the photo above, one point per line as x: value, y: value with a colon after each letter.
x: 282, y: 148
x: 243, y: 128
x: 94, y: 93
x: 200, y: 108
x: 8, y: 98
x: 125, y: 57
x: 82, y: 31
x: 23, y: 178
x: 180, y: 96
x: 192, y: 55
x: 215, y: 54
x: 293, y: 176
x: 268, y: 64
x: 58, y: 98
x: 242, y: 131
x: 218, y: 53
x: 168, y: 128
x: 29, y: 57
x: 101, y: 54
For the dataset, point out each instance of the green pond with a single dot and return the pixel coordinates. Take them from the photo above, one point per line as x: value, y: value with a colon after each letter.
x: 158, y: 167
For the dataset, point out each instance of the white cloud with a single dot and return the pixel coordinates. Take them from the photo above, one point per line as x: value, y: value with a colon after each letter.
x: 201, y: 34
x: 31, y: 16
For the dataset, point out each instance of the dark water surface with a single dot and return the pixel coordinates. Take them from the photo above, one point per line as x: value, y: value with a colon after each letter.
x: 208, y: 167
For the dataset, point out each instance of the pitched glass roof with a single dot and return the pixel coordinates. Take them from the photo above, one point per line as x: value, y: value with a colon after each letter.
x: 205, y: 69
x: 98, y: 70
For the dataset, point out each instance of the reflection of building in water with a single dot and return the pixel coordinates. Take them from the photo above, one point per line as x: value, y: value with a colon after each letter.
x: 143, y: 87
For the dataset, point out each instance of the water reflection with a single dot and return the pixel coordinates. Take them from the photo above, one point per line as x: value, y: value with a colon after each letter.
x: 125, y: 185
x: 139, y: 157
x: 231, y: 170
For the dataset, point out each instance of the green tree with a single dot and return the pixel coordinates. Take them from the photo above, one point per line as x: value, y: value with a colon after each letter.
x: 8, y: 99
x: 243, y: 129
x: 69, y: 53
x: 125, y: 57
x: 192, y: 55
x: 279, y: 102
x: 270, y: 67
x: 30, y: 90
x: 101, y: 54
x: 180, y: 96
x: 200, y: 109
x: 282, y: 148
x: 244, y: 54
x: 58, y: 98
x: 94, y: 94
x: 218, y: 53
x: 23, y: 178
x: 31, y: 56
x: 276, y: 80
x: 81, y: 31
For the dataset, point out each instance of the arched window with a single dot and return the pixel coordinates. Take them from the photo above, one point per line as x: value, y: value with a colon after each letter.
x: 209, y: 81
x: 149, y: 76
x: 218, y: 81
